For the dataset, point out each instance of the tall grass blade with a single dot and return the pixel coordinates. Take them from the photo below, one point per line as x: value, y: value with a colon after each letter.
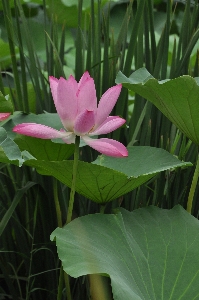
x: 19, y: 194
x: 10, y: 31
x: 79, y: 45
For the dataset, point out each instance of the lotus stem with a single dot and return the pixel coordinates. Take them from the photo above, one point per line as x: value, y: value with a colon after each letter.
x: 62, y: 275
x: 72, y: 191
x: 71, y: 203
x: 60, y: 286
x: 57, y: 205
x: 100, y: 288
x: 102, y: 208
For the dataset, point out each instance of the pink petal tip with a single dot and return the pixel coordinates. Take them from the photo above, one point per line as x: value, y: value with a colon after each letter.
x: 4, y: 116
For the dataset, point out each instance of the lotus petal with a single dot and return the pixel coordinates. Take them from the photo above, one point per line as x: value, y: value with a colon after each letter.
x: 86, y: 94
x: 106, y: 104
x: 4, y: 116
x: 110, y: 124
x: 107, y: 146
x: 66, y: 104
x: 39, y: 131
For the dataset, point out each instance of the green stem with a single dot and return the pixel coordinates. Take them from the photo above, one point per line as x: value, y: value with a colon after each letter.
x: 100, y: 288
x: 102, y: 208
x: 60, y: 286
x: 72, y: 192
x: 193, y: 187
x: 62, y: 275
x: 57, y: 205
x: 67, y: 285
x: 69, y: 215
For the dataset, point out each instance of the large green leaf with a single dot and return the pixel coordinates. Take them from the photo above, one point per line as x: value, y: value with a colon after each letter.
x: 150, y: 253
x: 109, y: 178
x: 45, y: 149
x: 142, y: 160
x: 12, y: 3
x: 66, y: 11
x: 63, y: 14
x: 177, y: 99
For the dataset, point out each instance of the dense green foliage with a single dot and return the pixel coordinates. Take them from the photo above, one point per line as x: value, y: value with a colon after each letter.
x: 46, y: 37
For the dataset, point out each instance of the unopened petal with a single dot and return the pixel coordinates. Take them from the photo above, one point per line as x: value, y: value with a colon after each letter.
x: 4, y: 116
x: 110, y: 124
x: 106, y: 104
x: 38, y: 131
x: 84, y: 122
x: 107, y: 146
x: 66, y: 104
x: 86, y: 94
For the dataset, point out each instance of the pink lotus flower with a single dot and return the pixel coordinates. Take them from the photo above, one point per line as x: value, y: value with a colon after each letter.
x: 4, y: 116
x: 76, y: 104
